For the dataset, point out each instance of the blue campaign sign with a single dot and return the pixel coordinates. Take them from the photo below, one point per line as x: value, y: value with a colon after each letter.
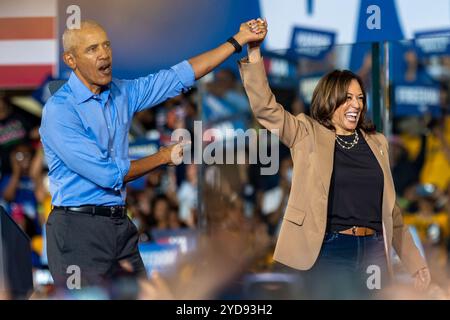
x: 159, y: 257
x: 229, y: 112
x: 143, y: 147
x: 281, y: 71
x: 311, y: 43
x: 306, y: 86
x: 140, y: 148
x: 436, y: 42
x: 412, y: 99
x: 185, y: 239
x: 378, y: 20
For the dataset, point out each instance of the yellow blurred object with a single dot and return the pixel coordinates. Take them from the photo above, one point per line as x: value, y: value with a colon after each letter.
x: 47, y: 206
x: 28, y: 104
x: 412, y: 145
x: 422, y: 223
x: 435, y: 249
x: 37, y: 244
x: 436, y: 169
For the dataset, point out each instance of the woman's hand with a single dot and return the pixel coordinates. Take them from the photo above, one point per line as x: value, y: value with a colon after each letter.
x: 251, y: 32
x: 259, y: 27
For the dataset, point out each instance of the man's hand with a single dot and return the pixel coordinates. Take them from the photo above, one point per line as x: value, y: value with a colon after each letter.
x: 422, y: 279
x: 252, y: 32
x: 173, y: 154
x: 170, y: 155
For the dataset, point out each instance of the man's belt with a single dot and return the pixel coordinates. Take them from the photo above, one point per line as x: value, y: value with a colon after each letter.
x: 105, y: 211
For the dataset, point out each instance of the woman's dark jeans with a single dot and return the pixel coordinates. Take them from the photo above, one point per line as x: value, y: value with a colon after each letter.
x: 348, y: 267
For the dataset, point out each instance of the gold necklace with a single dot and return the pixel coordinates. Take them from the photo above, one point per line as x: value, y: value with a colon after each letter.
x: 348, y: 145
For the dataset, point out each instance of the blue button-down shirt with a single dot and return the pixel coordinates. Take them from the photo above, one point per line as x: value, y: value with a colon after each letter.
x: 85, y: 136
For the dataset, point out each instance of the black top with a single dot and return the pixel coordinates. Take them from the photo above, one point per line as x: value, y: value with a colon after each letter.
x: 356, y: 189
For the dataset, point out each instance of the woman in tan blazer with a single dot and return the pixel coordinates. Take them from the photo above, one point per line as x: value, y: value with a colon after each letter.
x: 341, y: 218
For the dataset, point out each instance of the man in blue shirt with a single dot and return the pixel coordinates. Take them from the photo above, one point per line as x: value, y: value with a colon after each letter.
x: 84, y: 132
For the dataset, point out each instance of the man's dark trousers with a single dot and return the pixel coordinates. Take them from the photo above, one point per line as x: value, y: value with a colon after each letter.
x: 97, y: 246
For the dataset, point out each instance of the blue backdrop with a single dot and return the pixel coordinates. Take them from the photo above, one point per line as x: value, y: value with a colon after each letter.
x: 150, y: 35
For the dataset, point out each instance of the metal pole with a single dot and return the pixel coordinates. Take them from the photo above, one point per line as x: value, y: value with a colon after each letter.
x: 376, y: 86
x: 201, y: 216
x: 388, y: 92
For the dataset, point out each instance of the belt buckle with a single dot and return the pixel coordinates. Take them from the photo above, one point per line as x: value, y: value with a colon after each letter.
x: 113, y: 212
x: 354, y: 230
x: 116, y: 212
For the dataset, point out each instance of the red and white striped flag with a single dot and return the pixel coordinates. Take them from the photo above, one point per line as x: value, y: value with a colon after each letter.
x: 28, y: 42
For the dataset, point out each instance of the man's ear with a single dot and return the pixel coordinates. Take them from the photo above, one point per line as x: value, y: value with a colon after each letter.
x: 70, y: 60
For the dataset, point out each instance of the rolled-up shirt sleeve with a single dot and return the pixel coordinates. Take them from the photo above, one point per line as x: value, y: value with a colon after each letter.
x: 124, y: 166
x: 66, y: 137
x: 155, y: 88
x: 185, y: 73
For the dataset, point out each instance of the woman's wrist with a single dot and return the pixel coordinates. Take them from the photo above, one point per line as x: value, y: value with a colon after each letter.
x: 254, y: 53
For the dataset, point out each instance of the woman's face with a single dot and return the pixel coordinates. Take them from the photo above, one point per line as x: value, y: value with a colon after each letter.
x: 346, y: 116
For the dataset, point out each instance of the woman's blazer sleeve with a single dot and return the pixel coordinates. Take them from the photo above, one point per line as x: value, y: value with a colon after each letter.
x: 267, y: 111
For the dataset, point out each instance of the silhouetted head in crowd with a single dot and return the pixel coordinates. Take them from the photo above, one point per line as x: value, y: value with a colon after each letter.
x: 5, y: 107
x: 21, y: 157
x: 226, y: 78
x: 191, y: 173
x: 160, y: 211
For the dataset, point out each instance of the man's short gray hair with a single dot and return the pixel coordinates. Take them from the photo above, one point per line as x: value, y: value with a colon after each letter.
x: 70, y: 36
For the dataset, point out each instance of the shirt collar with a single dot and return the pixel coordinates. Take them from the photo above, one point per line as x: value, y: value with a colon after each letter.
x: 82, y: 93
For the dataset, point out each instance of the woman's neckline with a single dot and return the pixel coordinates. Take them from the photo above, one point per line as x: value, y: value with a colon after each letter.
x: 346, y: 135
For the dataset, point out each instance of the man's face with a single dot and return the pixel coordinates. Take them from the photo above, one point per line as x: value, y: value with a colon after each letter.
x: 92, y: 58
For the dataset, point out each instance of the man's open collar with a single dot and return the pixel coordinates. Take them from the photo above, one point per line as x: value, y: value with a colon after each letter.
x: 81, y: 92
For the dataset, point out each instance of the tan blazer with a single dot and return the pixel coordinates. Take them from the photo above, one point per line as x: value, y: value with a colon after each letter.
x: 312, y: 150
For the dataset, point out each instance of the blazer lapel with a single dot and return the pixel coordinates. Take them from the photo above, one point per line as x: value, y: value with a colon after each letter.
x: 325, y: 142
x: 376, y: 148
